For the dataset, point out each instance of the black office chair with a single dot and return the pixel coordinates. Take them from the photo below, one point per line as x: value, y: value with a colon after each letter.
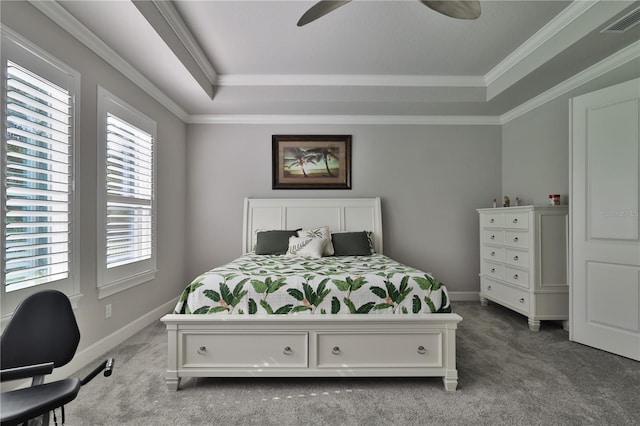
x: 41, y: 335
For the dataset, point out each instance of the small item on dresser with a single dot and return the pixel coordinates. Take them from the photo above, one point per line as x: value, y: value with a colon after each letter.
x: 517, y: 202
x: 495, y: 203
x: 506, y: 202
x: 554, y: 199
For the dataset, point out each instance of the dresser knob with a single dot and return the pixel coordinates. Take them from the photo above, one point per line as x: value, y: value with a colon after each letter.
x: 515, y: 277
x: 336, y: 350
x: 493, y: 237
x: 493, y: 253
x: 492, y: 220
x: 422, y: 350
x: 516, y: 239
x: 202, y: 350
x: 488, y: 287
x: 515, y: 220
x: 287, y: 350
x: 522, y: 300
x: 493, y: 270
x: 516, y: 258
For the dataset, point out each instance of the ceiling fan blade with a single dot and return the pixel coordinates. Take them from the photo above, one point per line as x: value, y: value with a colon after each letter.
x: 320, y: 9
x: 462, y: 9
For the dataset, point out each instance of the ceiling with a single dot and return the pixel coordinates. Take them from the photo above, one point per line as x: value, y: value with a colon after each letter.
x: 368, y: 58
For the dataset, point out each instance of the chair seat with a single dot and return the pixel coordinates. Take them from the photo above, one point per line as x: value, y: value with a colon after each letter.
x: 20, y: 405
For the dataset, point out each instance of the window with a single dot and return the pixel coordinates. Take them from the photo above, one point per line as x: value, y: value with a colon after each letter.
x: 127, y: 195
x: 38, y: 129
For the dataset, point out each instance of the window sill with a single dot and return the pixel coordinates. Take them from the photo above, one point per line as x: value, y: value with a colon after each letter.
x: 125, y: 284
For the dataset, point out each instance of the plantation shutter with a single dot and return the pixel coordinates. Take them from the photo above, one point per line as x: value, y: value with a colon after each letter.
x: 129, y: 179
x: 38, y: 180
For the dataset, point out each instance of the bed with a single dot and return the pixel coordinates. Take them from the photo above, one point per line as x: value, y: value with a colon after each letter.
x: 275, y: 315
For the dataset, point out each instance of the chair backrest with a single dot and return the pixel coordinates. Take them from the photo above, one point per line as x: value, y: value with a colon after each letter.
x: 43, y: 329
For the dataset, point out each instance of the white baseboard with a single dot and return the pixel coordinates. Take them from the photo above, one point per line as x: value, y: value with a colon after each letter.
x: 91, y: 353
x: 464, y: 296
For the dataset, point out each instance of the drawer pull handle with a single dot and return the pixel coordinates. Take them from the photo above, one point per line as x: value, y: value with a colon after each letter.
x: 515, y: 220
x: 422, y: 350
x: 336, y: 350
x: 522, y: 300
x: 493, y: 270
x: 516, y: 258
x: 202, y: 350
x: 492, y: 220
x: 488, y: 287
x: 515, y: 277
x: 493, y: 237
x: 493, y: 253
x: 287, y: 350
x: 516, y: 239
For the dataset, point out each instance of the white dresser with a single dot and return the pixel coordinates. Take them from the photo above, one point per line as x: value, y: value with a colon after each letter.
x: 523, y: 261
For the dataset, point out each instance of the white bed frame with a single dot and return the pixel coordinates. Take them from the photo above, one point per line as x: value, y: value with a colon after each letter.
x: 305, y: 345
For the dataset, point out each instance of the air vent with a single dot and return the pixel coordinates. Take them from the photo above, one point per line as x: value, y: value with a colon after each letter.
x: 626, y: 22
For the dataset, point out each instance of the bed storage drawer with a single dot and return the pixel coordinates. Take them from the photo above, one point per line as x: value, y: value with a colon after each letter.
x: 366, y: 350
x: 245, y: 350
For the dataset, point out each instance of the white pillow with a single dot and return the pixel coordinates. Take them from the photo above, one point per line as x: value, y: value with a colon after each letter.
x: 306, y: 247
x: 321, y: 232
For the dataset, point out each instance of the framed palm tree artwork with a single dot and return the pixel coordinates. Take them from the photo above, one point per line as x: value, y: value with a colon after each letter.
x: 311, y: 161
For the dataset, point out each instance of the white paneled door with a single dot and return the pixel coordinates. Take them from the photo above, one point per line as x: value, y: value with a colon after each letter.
x: 605, y: 225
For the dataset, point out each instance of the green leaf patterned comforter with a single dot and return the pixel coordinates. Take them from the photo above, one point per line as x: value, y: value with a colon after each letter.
x: 259, y: 284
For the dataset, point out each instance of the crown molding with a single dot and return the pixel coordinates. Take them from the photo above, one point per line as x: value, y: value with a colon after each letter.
x: 350, y: 80
x: 546, y: 33
x: 347, y: 119
x: 74, y: 27
x: 623, y: 56
x: 177, y: 24
x: 69, y: 23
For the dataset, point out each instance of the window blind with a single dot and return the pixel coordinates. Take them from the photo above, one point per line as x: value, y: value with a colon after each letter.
x: 37, y: 179
x: 129, y: 172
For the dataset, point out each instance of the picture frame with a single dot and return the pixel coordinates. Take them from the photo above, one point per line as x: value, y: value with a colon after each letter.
x: 311, y: 161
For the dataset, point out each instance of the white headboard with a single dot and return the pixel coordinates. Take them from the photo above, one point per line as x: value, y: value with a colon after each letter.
x: 340, y: 214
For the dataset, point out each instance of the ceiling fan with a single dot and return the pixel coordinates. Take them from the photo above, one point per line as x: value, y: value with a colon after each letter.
x: 461, y: 9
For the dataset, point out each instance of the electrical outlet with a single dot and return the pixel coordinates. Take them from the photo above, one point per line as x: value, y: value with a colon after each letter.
x: 107, y: 311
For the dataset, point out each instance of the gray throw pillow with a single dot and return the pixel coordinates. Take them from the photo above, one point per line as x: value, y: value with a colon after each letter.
x: 351, y: 244
x: 274, y: 242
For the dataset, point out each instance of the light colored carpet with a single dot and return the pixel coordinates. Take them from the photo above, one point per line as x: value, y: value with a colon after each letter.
x: 507, y: 376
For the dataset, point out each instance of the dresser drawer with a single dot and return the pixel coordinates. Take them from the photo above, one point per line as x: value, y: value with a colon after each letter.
x: 518, y: 220
x: 491, y: 220
x: 517, y: 276
x: 245, y: 350
x: 494, y: 270
x: 517, y: 258
x: 493, y: 236
x: 351, y: 350
x: 516, y: 239
x: 506, y: 295
x: 493, y: 253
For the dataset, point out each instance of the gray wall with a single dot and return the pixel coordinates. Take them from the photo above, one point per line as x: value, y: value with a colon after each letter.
x: 131, y: 304
x: 535, y: 146
x: 430, y: 178
x: 535, y: 154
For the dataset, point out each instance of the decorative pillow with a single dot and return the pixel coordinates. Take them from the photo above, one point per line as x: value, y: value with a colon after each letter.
x: 273, y: 242
x: 321, y: 232
x: 306, y: 247
x: 351, y: 244
x: 370, y: 238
